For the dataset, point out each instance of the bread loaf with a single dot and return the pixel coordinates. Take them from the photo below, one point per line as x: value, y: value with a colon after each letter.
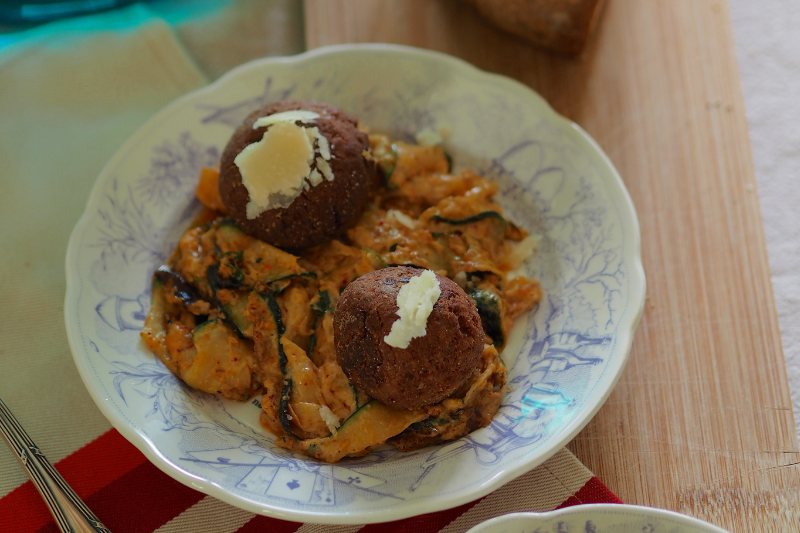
x: 561, y: 26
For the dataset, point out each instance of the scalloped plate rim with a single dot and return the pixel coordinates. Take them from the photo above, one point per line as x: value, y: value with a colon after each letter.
x: 567, y: 433
x: 592, y: 509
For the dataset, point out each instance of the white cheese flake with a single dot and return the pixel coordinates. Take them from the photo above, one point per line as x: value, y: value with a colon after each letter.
x: 277, y: 169
x: 315, y: 178
x: 274, y: 168
x: 415, y: 301
x: 330, y: 419
x: 325, y: 168
x: 298, y: 115
x: 322, y: 144
x: 401, y: 217
x: 312, y: 136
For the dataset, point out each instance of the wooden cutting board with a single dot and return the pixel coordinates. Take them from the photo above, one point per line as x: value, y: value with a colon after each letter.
x: 701, y: 420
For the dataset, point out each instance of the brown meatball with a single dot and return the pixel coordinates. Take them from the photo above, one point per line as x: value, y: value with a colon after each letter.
x: 432, y: 367
x: 320, y: 212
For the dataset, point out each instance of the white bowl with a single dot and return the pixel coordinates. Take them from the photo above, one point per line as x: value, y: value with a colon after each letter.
x: 563, y: 358
x: 600, y: 518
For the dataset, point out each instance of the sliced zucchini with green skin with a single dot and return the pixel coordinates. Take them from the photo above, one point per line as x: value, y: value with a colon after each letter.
x: 514, y: 232
x: 322, y: 302
x: 213, y: 277
x: 429, y: 428
x: 488, y: 304
x: 358, y: 412
x: 277, y: 285
x: 388, y: 168
x: 258, y: 262
x: 230, y: 237
x: 360, y: 399
x: 306, y: 397
x: 449, y: 162
x: 385, y: 163
x: 447, y: 257
x: 229, y: 231
x: 275, y: 264
x: 375, y: 258
x: 372, y: 424
x: 275, y: 309
x: 220, y: 365
x: 286, y: 390
x: 235, y: 312
x: 230, y: 261
x: 183, y: 290
x: 312, y: 340
x: 469, y: 220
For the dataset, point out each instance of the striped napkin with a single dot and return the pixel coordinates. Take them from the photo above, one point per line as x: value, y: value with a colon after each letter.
x: 71, y: 93
x: 130, y: 495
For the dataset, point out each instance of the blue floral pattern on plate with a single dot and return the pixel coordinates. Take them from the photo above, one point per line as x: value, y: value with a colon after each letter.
x: 597, y: 518
x: 563, y: 358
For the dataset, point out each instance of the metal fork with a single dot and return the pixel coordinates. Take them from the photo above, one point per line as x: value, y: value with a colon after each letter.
x: 70, y: 513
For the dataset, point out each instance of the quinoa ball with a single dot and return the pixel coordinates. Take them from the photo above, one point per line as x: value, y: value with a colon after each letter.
x: 432, y: 367
x: 321, y: 212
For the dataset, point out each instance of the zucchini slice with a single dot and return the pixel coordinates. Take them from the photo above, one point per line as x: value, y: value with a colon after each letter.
x: 230, y: 276
x: 322, y: 303
x: 305, y: 399
x: 224, y: 299
x: 234, y: 305
x: 229, y: 237
x: 277, y: 285
x: 183, y: 290
x: 384, y: 152
x: 374, y: 258
x: 223, y: 363
x: 283, y: 363
x: 258, y: 263
x: 488, y: 304
x: 370, y: 426
x: 469, y: 220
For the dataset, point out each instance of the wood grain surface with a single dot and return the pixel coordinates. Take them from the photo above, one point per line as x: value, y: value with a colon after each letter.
x: 701, y: 420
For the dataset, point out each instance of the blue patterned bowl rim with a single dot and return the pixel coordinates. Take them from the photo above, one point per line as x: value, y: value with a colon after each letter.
x: 590, y: 517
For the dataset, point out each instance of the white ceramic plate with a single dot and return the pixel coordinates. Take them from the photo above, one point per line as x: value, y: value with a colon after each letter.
x: 564, y: 358
x: 598, y: 518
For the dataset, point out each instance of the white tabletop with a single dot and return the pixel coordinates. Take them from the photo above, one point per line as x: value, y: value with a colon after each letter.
x: 768, y: 48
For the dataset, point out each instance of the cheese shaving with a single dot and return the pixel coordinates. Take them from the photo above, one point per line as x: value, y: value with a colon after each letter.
x: 278, y: 168
x: 330, y: 419
x: 415, y: 301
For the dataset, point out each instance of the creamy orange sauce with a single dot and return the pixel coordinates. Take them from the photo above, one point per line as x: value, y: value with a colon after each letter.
x: 255, y: 319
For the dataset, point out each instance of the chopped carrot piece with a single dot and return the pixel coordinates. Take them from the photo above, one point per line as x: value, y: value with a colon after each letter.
x: 208, y: 189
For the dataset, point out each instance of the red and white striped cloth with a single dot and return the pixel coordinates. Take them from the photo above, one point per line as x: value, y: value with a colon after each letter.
x: 130, y: 495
